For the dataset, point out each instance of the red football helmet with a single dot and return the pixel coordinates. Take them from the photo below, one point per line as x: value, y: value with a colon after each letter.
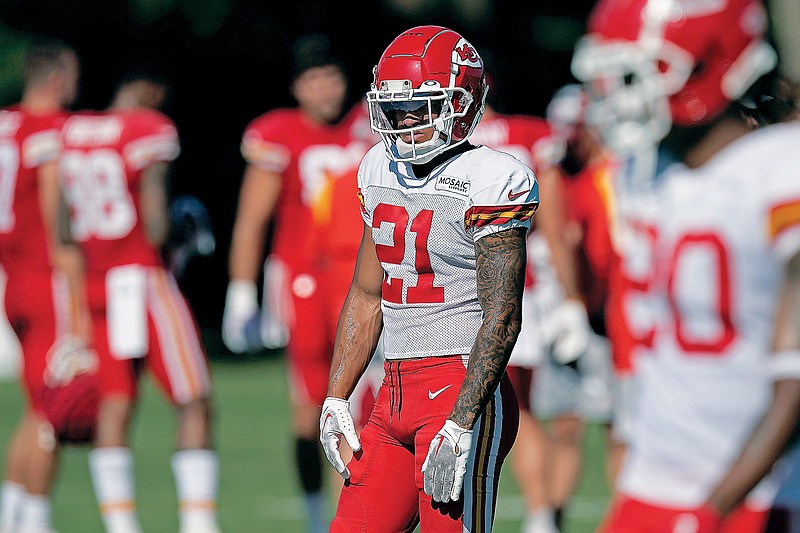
x: 650, y: 63
x: 71, y: 396
x: 427, y: 67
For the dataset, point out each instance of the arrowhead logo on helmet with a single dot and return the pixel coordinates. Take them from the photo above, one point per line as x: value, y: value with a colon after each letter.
x: 467, y: 53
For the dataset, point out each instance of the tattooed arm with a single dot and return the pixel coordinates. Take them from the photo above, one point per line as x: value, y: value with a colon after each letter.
x: 360, y: 322
x: 500, y: 263
x: 767, y: 440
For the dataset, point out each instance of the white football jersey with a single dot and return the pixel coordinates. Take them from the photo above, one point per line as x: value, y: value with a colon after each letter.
x: 715, y: 241
x: 425, y: 232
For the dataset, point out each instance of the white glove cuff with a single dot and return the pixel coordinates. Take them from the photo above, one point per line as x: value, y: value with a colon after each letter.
x: 461, y: 437
x: 333, y: 400
x: 242, y: 296
x: 574, y: 307
x: 785, y: 365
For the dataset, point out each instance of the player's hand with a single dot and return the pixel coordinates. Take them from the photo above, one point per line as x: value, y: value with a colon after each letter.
x: 446, y: 464
x: 572, y: 331
x: 704, y: 519
x: 240, y: 328
x: 334, y: 423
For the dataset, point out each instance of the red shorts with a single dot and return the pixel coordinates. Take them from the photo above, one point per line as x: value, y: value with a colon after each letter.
x: 317, y: 300
x: 160, y: 333
x: 522, y: 379
x: 39, y: 311
x: 633, y: 516
x: 385, y: 490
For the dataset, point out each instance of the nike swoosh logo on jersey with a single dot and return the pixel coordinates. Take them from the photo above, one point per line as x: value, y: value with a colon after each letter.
x: 432, y: 395
x: 514, y: 195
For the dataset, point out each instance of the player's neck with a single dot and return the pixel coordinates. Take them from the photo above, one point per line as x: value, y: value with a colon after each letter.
x: 319, y: 119
x: 718, y: 137
x: 424, y: 169
x: 40, y: 101
x: 125, y: 101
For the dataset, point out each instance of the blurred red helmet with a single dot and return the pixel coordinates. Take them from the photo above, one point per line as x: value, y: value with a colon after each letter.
x: 650, y: 63
x: 427, y: 66
x: 71, y: 396
x: 72, y: 408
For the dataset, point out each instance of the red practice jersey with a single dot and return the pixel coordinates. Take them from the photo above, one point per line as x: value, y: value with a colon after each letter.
x: 104, y: 156
x: 27, y: 141
x: 591, y: 205
x: 310, y: 158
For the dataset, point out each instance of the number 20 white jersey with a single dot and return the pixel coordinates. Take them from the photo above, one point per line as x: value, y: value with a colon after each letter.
x: 717, y: 239
x: 425, y: 232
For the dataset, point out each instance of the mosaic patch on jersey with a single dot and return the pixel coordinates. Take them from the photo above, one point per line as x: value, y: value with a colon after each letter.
x: 481, y: 215
x: 784, y: 216
x: 452, y: 184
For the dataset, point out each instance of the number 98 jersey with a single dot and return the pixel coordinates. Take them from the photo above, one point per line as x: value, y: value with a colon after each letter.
x: 425, y: 230
x: 104, y: 157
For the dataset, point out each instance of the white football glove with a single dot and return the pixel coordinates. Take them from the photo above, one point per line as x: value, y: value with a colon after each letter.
x: 240, y: 328
x: 572, y: 331
x: 446, y: 463
x: 335, y: 422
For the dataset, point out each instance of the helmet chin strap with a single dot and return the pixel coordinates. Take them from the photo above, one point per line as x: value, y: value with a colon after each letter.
x: 425, y: 150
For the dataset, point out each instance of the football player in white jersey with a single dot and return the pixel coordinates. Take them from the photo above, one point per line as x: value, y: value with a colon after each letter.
x: 714, y: 235
x: 440, y: 272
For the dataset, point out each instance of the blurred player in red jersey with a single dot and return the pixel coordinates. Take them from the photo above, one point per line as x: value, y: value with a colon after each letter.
x: 530, y: 140
x: 37, y: 296
x: 716, y: 302
x: 113, y: 171
x: 440, y: 275
x: 296, y: 158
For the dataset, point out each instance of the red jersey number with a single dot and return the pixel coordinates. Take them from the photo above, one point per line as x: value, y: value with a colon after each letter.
x: 688, y: 248
x: 712, y: 247
x: 424, y: 291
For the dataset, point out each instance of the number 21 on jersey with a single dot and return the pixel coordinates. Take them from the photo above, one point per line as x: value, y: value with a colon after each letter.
x: 425, y: 290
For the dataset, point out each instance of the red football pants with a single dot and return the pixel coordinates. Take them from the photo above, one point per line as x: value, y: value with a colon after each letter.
x: 38, y: 309
x: 175, y: 355
x: 316, y: 301
x: 385, y: 490
x: 633, y: 516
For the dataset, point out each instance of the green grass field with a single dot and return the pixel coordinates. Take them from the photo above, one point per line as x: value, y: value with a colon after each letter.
x: 258, y: 492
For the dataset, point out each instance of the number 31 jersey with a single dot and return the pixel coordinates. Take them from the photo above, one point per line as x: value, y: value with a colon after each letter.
x: 101, y: 171
x: 425, y: 230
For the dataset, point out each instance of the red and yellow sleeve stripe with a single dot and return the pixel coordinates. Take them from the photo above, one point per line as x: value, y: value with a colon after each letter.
x: 361, y: 203
x: 783, y: 216
x: 481, y: 215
